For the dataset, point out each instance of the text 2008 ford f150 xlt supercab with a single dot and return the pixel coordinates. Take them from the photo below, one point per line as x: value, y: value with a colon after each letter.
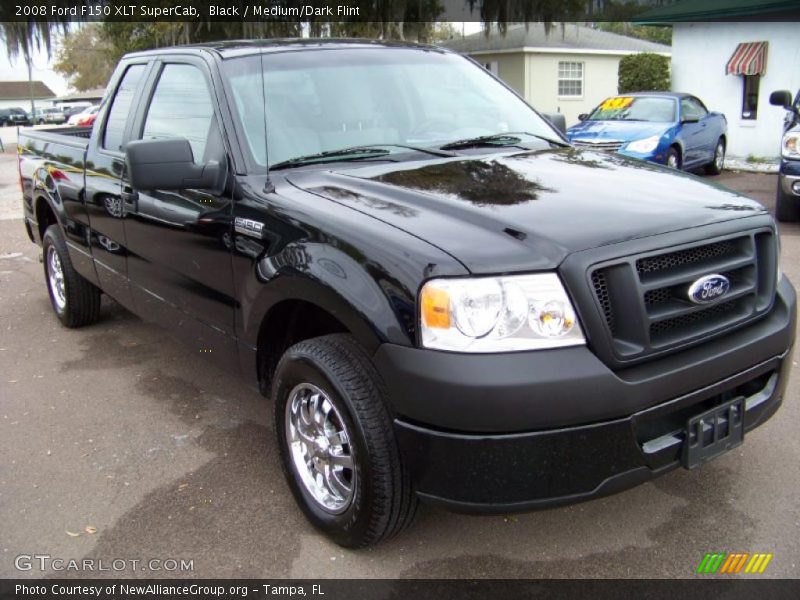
x: 443, y: 299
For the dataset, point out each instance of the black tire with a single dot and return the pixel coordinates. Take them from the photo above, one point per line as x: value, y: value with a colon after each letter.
x: 673, y: 154
x: 787, y: 208
x: 82, y: 299
x: 718, y: 162
x: 382, y: 502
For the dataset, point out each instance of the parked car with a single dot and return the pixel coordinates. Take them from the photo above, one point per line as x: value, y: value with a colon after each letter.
x: 86, y: 117
x: 13, y: 117
x: 672, y: 129
x: 87, y: 120
x: 445, y: 301
x: 70, y: 110
x: 787, y: 206
x: 43, y: 116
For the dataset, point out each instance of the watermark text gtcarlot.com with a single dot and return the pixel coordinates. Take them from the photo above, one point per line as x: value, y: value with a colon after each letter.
x: 45, y: 562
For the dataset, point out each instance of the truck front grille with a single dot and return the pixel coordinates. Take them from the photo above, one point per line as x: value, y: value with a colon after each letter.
x: 645, y: 303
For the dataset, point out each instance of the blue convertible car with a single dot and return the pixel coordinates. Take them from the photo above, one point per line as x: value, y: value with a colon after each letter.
x: 668, y: 128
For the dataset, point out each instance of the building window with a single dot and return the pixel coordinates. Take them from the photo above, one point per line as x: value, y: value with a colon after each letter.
x: 750, y: 96
x: 491, y: 67
x: 570, y: 79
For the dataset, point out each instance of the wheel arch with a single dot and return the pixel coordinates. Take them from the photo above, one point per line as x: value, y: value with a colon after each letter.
x: 45, y: 214
x: 302, y: 310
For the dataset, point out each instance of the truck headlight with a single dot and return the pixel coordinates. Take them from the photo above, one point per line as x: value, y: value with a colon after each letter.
x: 645, y: 145
x: 498, y: 314
x: 790, y: 144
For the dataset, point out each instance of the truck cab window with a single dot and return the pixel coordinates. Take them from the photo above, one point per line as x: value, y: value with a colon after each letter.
x: 181, y: 107
x: 120, y: 107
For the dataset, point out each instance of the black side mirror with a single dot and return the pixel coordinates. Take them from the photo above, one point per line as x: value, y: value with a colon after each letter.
x: 583, y: 116
x: 168, y: 164
x: 781, y: 98
x: 557, y: 120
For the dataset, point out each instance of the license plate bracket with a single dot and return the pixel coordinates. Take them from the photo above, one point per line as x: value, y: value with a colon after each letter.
x: 713, y: 432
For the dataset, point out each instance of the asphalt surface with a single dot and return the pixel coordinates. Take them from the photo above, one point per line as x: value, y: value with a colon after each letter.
x: 117, y: 428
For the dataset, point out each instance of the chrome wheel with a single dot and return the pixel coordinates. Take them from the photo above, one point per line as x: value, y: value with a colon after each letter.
x: 319, y: 445
x: 55, y: 279
x: 672, y: 161
x: 719, y: 156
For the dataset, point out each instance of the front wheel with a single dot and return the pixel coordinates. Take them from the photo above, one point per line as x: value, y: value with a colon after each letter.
x: 75, y: 300
x: 673, y: 158
x: 337, y: 444
x: 716, y: 165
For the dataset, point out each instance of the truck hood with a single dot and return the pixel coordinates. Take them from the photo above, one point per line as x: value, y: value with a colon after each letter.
x: 620, y: 131
x: 527, y: 210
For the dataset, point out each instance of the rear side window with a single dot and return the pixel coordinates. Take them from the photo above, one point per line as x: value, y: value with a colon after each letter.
x: 120, y: 107
x: 181, y: 107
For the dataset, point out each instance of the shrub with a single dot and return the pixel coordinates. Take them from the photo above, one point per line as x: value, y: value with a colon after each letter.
x: 643, y: 72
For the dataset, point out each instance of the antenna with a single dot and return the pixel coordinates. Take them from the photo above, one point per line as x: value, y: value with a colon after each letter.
x: 268, y: 185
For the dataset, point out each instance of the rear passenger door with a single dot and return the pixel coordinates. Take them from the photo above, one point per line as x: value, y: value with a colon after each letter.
x: 180, y: 240
x: 105, y: 162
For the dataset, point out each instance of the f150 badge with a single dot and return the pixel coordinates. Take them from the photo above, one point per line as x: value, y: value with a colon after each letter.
x: 248, y: 227
x: 709, y: 288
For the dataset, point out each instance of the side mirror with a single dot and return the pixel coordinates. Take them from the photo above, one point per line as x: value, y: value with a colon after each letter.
x: 168, y: 164
x: 583, y: 116
x: 557, y: 120
x: 781, y: 98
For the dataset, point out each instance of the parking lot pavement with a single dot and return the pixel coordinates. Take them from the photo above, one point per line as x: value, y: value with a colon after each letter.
x: 116, y: 427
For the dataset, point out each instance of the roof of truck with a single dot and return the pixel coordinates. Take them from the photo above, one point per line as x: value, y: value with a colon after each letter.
x: 231, y: 48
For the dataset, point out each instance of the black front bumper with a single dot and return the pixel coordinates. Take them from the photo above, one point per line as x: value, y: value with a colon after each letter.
x: 522, y: 431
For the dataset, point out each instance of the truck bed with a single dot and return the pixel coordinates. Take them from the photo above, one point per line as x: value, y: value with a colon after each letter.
x: 70, y: 135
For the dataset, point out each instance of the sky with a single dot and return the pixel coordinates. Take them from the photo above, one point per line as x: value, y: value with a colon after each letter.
x: 17, y: 70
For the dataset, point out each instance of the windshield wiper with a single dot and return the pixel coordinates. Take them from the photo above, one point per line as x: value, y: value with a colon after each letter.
x: 354, y: 153
x: 498, y: 139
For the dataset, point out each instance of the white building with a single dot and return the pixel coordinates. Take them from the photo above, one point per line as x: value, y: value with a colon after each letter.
x: 570, y: 69
x: 733, y: 66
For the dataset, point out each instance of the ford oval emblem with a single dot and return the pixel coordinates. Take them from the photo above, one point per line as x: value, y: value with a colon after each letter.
x: 709, y: 288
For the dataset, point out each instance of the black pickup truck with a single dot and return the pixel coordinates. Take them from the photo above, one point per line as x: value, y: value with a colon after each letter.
x: 444, y: 300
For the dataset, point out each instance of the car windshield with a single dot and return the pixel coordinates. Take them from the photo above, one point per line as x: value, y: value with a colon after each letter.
x: 635, y: 108
x: 329, y: 100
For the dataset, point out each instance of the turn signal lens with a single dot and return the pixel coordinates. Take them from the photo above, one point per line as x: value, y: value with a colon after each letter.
x: 435, y: 308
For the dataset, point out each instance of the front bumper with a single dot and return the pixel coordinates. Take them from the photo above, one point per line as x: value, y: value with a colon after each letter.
x: 499, y: 433
x: 789, y: 177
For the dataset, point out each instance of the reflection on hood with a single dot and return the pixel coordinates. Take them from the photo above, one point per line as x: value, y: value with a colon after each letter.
x: 482, y: 182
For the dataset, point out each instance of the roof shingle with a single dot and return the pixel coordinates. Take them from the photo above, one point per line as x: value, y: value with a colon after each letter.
x: 20, y: 90
x: 569, y: 37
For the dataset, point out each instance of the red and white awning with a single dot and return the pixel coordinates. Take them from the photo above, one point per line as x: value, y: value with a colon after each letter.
x: 749, y: 58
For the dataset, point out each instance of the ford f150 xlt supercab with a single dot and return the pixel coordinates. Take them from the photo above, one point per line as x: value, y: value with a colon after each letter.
x: 443, y: 299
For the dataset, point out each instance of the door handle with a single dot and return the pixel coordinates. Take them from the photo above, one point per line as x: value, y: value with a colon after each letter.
x: 130, y: 200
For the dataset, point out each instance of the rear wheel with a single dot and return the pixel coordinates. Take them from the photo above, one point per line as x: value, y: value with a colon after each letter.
x: 673, y: 158
x: 337, y: 444
x: 716, y: 165
x: 787, y: 208
x: 75, y: 300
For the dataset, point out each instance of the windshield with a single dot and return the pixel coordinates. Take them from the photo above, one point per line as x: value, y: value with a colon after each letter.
x: 635, y: 108
x: 326, y: 100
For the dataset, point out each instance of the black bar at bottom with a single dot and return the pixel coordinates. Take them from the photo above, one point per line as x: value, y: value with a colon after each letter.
x: 731, y: 587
